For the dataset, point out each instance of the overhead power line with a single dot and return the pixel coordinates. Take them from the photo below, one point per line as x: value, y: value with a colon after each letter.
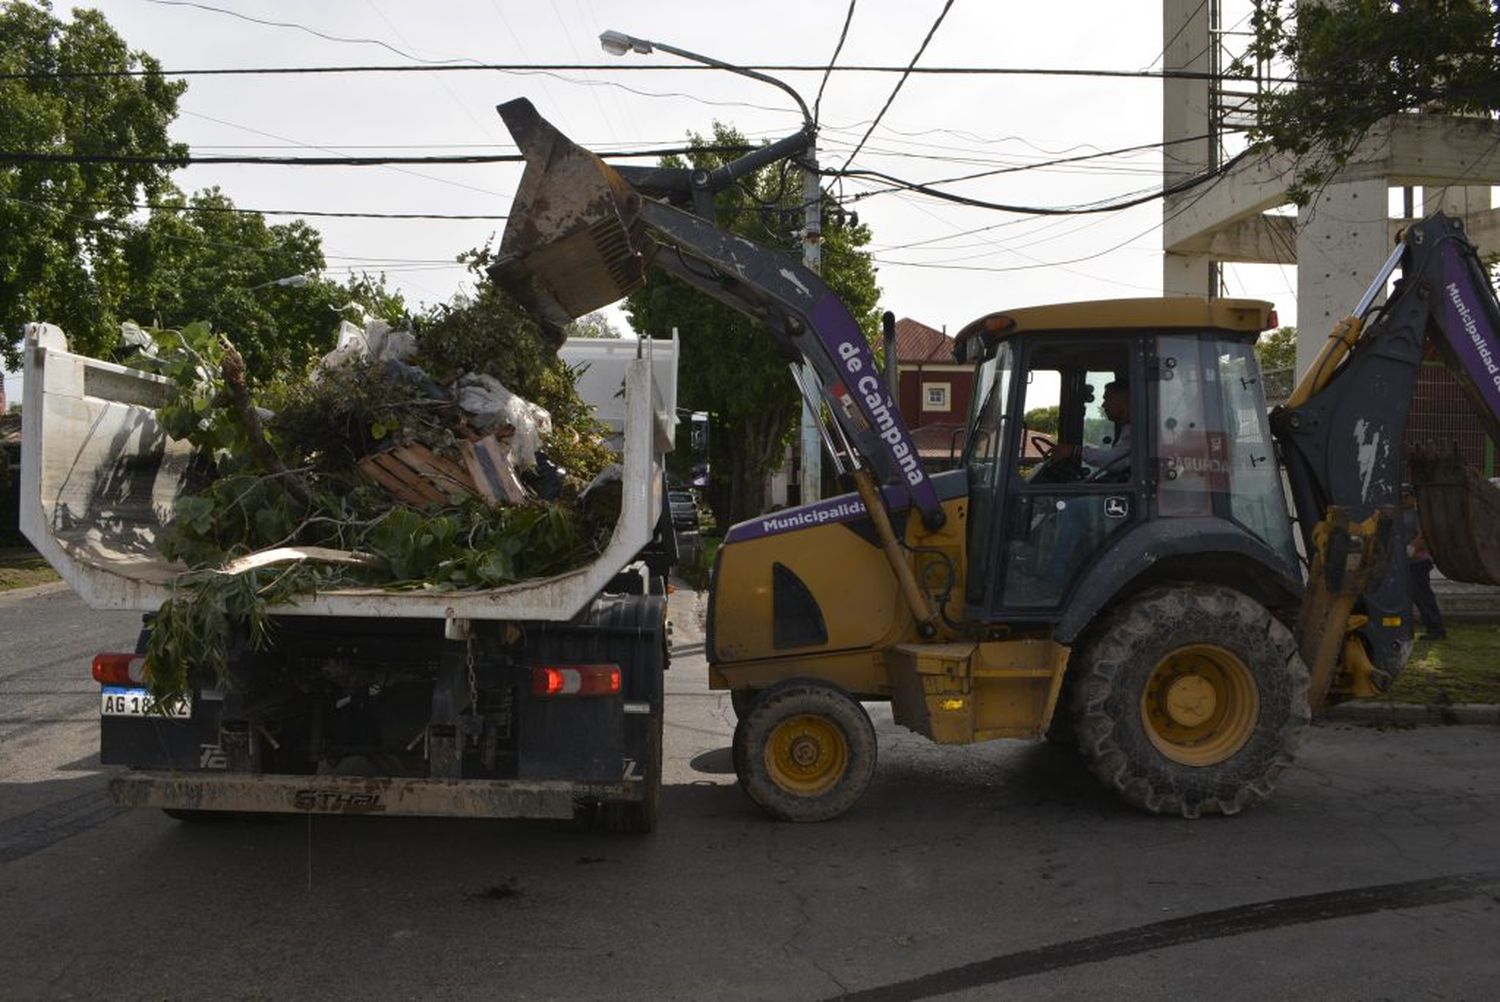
x: 318, y: 213
x: 839, y: 47
x: 1034, y: 210
x: 304, y: 28
x: 947, y: 5
x: 634, y: 67
x: 18, y: 156
x: 1016, y: 168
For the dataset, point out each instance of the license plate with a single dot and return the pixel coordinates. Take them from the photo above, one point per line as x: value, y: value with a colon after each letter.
x: 119, y: 701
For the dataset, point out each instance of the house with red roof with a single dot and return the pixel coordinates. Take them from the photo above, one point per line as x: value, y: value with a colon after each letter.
x: 933, y: 393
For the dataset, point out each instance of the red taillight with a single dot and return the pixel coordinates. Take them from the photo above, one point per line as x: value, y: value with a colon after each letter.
x: 575, y: 680
x: 119, y: 669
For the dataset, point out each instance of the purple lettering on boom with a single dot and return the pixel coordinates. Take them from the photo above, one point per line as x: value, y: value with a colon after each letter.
x: 856, y: 368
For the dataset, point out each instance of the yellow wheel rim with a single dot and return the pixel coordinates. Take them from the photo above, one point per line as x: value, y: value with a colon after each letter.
x: 1200, y: 705
x: 807, y: 754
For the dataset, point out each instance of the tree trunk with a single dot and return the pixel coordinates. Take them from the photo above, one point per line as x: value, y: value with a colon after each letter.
x: 756, y: 452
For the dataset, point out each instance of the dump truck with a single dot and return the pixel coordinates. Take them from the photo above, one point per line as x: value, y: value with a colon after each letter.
x: 539, y: 699
x: 1152, y: 602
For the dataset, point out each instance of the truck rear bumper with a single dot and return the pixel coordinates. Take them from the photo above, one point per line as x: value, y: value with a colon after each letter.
x: 464, y: 798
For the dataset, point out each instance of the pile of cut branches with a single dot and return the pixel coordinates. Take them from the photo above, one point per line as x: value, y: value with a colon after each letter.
x: 291, y: 503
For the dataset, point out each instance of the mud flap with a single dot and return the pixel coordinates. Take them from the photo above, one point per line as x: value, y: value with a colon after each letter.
x: 1460, y: 511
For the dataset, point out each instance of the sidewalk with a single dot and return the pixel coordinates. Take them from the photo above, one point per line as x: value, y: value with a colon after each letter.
x: 1466, y: 602
x: 1379, y: 713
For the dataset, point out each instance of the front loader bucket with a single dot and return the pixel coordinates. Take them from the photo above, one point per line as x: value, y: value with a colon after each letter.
x: 1460, y: 513
x: 573, y: 242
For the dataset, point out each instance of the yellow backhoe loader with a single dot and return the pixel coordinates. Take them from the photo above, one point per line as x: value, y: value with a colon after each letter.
x: 1150, y: 599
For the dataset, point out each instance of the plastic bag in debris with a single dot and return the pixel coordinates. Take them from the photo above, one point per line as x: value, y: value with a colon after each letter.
x: 490, y: 405
x: 376, y: 342
x: 132, y: 336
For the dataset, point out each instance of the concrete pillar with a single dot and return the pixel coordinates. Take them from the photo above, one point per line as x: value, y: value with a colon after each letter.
x: 1342, y: 239
x: 1185, y: 114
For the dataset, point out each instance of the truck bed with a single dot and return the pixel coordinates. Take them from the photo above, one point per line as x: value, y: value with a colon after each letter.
x: 100, y: 479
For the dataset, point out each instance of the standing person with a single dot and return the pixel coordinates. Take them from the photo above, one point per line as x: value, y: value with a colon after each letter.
x: 1419, y: 569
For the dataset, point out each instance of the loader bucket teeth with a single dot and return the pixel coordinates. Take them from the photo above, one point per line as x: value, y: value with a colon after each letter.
x: 573, y: 243
x: 1459, y: 510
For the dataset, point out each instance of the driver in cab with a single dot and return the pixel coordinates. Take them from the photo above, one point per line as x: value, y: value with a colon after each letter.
x: 1112, y: 459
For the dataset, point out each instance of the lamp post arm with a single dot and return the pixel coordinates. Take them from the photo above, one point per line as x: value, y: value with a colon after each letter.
x: 742, y: 71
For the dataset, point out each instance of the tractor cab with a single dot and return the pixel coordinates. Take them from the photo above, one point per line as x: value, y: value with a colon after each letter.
x: 1110, y: 440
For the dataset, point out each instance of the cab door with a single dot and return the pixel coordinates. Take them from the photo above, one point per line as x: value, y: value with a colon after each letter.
x: 1061, y: 515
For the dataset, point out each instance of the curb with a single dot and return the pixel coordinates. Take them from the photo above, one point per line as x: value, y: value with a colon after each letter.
x: 33, y: 591
x: 1412, y: 714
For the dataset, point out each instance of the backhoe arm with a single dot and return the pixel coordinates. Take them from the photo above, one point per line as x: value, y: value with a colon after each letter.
x: 1342, y: 434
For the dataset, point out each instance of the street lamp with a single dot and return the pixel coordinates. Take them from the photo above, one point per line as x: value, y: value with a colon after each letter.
x: 617, y: 43
x: 290, y: 281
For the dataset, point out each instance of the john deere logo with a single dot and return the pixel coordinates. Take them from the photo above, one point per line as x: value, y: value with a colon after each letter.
x: 1116, y: 507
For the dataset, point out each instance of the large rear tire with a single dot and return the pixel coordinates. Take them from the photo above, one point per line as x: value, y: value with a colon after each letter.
x: 1190, y: 700
x: 805, y: 751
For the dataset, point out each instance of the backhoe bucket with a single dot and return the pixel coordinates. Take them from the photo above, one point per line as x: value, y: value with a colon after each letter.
x: 1460, y: 512
x: 573, y: 242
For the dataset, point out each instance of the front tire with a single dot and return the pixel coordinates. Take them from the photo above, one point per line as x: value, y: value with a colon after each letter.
x: 805, y: 751
x: 1191, y: 700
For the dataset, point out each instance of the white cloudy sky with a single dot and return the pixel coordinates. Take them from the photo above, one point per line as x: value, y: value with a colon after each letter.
x: 933, y: 266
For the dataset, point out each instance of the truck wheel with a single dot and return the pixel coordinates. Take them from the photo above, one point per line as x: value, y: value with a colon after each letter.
x: 1191, y: 700
x: 638, y: 817
x: 805, y: 751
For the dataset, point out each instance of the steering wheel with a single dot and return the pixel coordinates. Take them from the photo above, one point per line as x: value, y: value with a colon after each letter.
x: 1053, y: 469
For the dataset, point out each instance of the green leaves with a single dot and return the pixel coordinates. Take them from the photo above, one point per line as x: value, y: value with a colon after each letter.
x: 62, y: 253
x: 1358, y: 61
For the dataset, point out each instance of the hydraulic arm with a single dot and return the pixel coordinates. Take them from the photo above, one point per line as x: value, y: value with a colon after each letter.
x: 1342, y: 434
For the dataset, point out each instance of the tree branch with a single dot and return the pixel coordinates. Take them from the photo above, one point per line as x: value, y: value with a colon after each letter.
x: 233, y: 368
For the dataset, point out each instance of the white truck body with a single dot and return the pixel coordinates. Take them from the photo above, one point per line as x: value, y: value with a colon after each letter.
x: 99, y: 480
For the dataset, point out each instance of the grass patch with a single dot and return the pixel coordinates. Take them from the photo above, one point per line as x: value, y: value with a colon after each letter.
x: 22, y: 569
x: 1465, y: 668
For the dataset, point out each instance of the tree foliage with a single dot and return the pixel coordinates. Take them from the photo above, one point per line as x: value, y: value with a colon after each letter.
x: 197, y: 259
x: 594, y: 325
x: 1358, y: 61
x: 62, y: 221
x: 1045, y: 420
x: 77, y: 255
x: 1277, y: 350
x: 729, y: 365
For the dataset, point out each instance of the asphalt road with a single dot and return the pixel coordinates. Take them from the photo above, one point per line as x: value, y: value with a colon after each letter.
x: 995, y: 871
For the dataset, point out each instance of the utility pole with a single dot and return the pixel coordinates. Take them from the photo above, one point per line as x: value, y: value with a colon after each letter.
x: 811, y: 484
